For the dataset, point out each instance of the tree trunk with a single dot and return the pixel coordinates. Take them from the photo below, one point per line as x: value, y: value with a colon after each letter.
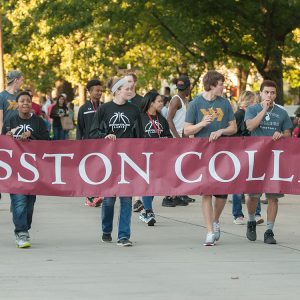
x: 82, y: 94
x: 242, y: 75
x: 2, y: 83
x: 273, y: 70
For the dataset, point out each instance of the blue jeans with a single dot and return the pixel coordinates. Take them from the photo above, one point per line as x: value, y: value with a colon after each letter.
x: 22, y: 211
x: 237, y: 206
x: 59, y: 133
x: 147, y: 202
x: 107, y: 215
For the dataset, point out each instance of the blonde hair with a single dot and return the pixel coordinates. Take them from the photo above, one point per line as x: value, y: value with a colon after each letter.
x: 246, y: 99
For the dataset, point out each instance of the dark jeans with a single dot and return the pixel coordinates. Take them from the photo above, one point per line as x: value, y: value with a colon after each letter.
x: 107, y: 215
x: 237, y: 206
x: 59, y: 133
x: 22, y: 210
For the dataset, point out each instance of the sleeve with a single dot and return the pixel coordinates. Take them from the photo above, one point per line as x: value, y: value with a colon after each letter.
x: 191, y: 114
x: 239, y: 120
x: 166, y: 132
x: 1, y: 104
x: 287, y: 123
x: 250, y: 113
x: 138, y: 128
x: 42, y: 133
x: 98, y: 128
x: 53, y: 113
x: 80, y: 125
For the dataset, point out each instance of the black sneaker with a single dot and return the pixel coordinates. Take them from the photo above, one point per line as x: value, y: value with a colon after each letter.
x: 138, y: 206
x: 180, y: 202
x: 106, y: 237
x: 187, y: 198
x: 269, y: 237
x: 168, y: 202
x: 124, y: 243
x: 251, y: 231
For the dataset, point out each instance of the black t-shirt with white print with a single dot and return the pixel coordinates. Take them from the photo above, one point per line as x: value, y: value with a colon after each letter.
x: 158, y: 127
x: 34, y: 124
x: 123, y: 120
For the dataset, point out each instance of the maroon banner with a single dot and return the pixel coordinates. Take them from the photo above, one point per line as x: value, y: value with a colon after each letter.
x: 150, y: 166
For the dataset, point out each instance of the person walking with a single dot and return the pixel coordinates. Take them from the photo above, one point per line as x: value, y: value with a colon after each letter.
x: 114, y: 120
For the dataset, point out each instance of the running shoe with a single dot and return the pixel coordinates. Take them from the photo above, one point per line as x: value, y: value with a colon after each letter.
x: 269, y: 237
x: 251, y: 231
x: 210, y: 240
x: 138, y: 206
x: 124, y: 243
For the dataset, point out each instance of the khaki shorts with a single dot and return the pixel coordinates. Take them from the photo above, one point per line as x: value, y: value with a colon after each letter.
x: 268, y: 195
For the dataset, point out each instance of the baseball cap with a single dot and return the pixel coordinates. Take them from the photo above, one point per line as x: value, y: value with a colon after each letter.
x: 183, y: 82
x: 12, y: 75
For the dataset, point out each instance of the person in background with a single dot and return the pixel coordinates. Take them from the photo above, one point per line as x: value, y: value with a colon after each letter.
x: 58, y: 111
x: 246, y: 99
x: 85, y: 118
x: 154, y: 125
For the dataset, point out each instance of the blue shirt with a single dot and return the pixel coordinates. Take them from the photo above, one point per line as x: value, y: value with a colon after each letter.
x: 220, y: 109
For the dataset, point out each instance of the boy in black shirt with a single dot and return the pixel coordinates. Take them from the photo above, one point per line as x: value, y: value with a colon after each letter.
x: 24, y: 126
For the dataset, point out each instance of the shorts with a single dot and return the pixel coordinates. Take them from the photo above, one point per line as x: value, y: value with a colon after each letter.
x: 268, y: 195
x: 221, y: 196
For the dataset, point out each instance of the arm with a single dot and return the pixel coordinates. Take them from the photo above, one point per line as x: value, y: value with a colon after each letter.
x: 98, y: 128
x: 191, y: 129
x: 229, y: 130
x: 1, y: 120
x: 173, y: 107
x: 253, y: 123
x: 80, y: 125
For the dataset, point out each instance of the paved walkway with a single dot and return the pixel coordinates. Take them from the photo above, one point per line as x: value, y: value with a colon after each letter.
x: 168, y: 261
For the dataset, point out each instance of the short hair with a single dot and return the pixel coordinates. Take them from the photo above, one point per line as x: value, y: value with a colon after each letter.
x: 167, y: 89
x: 23, y: 93
x: 91, y: 83
x: 132, y: 75
x: 211, y: 78
x: 268, y: 83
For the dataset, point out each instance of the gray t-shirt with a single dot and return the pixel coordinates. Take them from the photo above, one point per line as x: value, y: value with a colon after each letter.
x: 219, y: 108
x: 276, y: 119
x: 8, y: 104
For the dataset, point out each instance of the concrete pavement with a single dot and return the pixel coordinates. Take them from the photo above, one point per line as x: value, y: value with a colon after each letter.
x: 68, y: 261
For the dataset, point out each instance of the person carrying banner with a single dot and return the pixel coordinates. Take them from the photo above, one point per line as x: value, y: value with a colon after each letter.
x: 24, y: 126
x: 114, y: 120
x: 85, y: 118
x: 266, y: 119
x: 154, y: 125
x: 210, y: 115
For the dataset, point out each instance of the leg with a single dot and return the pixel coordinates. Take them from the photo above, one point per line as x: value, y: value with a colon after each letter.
x: 147, y: 202
x: 251, y: 202
x: 107, y: 214
x: 237, y: 206
x: 272, y: 210
x: 30, y: 206
x: 258, y: 208
x: 207, y: 210
x: 218, y: 207
x: 125, y: 218
x: 19, y: 212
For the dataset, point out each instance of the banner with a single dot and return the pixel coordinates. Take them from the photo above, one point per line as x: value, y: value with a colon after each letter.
x: 127, y: 167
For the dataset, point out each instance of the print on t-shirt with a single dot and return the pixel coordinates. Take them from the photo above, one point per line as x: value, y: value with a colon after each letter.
x: 119, y: 121
x: 150, y: 129
x: 18, y: 131
x: 217, y: 113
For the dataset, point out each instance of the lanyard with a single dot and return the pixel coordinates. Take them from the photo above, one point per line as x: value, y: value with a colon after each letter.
x: 154, y: 125
x: 94, y: 107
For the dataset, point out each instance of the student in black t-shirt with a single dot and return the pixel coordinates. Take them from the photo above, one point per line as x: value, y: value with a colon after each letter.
x: 24, y: 126
x: 154, y: 126
x: 117, y: 119
x: 84, y: 121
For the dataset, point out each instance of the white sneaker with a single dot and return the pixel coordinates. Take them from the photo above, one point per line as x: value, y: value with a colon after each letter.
x: 259, y: 220
x: 239, y: 221
x: 210, y: 239
x: 22, y: 240
x: 217, y: 231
